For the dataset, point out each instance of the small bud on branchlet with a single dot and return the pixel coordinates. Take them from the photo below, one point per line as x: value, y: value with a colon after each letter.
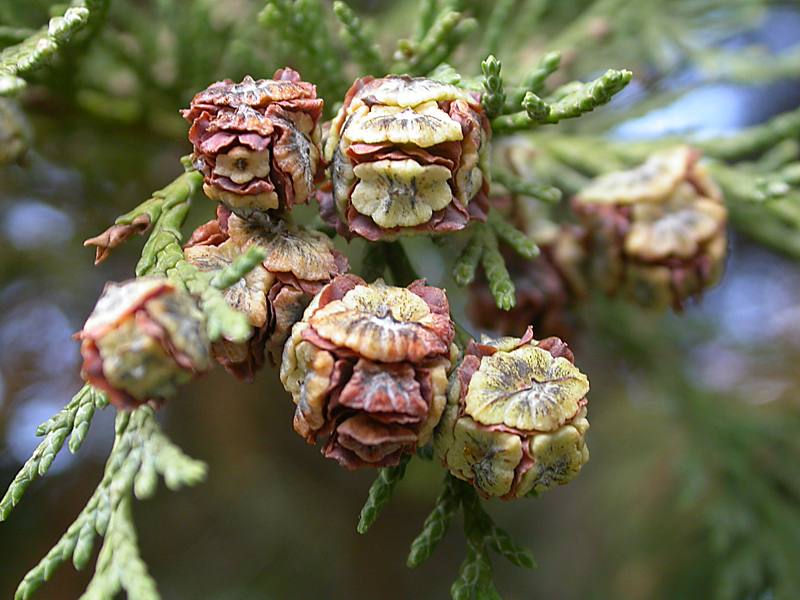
x: 407, y: 155
x: 657, y: 231
x: 367, y: 367
x: 257, y: 142
x: 274, y: 294
x: 143, y: 339
x: 515, y: 420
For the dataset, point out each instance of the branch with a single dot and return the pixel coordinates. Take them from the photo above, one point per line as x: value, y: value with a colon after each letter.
x: 40, y: 48
x: 143, y: 217
x: 73, y: 420
x: 447, y: 32
x: 755, y: 139
x: 141, y: 453
x: 534, y: 81
x: 436, y: 524
x: 494, y: 97
x: 572, y: 101
x: 359, y: 41
x: 517, y: 185
x: 380, y: 492
x: 494, y: 266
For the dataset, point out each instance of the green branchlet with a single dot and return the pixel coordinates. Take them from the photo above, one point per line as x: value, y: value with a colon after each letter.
x: 380, y: 492
x: 755, y: 139
x: 500, y: 284
x: 239, y: 268
x: 42, y: 46
x: 517, y: 185
x: 436, y: 524
x: 494, y: 96
x: 521, y: 243
x: 467, y: 263
x: 589, y: 96
x: 445, y: 34
x: 71, y: 421
x: 302, y: 26
x: 571, y: 101
x: 359, y: 41
x: 140, y: 454
x: 474, y: 581
x: 534, y: 81
x: 163, y: 255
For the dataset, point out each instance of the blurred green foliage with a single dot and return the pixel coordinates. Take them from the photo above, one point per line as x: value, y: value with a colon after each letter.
x: 692, y: 491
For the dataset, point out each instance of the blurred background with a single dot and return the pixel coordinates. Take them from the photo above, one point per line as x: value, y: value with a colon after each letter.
x: 693, y: 486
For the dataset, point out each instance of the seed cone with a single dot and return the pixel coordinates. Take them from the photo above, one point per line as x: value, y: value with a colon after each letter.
x: 407, y: 155
x: 367, y: 367
x: 273, y: 295
x: 143, y: 339
x: 515, y: 420
x: 656, y: 232
x: 257, y: 142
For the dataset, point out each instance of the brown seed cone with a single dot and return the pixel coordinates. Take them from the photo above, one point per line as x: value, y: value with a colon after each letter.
x: 367, y: 367
x: 143, y: 339
x: 407, y: 155
x: 257, y: 142
x: 657, y: 232
x: 298, y: 264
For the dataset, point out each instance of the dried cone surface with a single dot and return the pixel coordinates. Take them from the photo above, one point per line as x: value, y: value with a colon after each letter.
x: 257, y: 142
x: 367, y: 367
x: 143, y: 339
x: 657, y: 232
x: 273, y: 296
x: 407, y: 155
x: 515, y: 420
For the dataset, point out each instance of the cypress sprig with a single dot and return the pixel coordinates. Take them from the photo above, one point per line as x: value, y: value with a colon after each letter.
x: 446, y: 73
x: 436, y: 524
x: 448, y: 30
x: 163, y: 255
x: 380, y: 492
x: 42, y: 46
x: 753, y: 140
x: 497, y: 25
x: 534, y: 81
x: 501, y: 542
x: 359, y: 41
x: 139, y: 441
x: 569, y: 102
x: 73, y: 420
x: 494, y: 96
x: 500, y: 284
x: 467, y: 263
x: 167, y: 209
x: 589, y: 96
x: 239, y: 268
x: 428, y: 10
x: 517, y: 185
x: 521, y: 243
